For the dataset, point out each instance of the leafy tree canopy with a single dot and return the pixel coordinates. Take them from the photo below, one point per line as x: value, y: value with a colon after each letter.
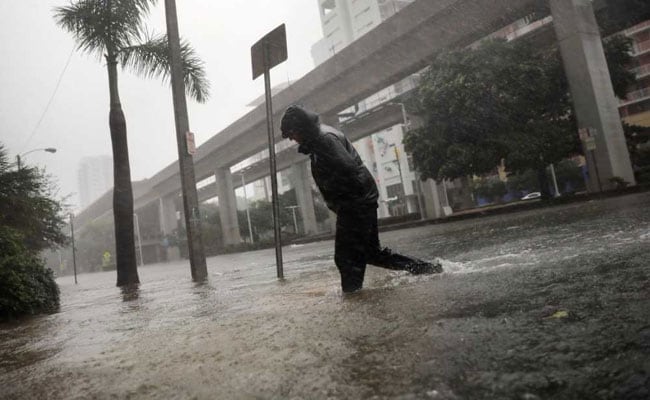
x: 621, y: 14
x: 27, y: 205
x: 115, y: 28
x: 501, y: 101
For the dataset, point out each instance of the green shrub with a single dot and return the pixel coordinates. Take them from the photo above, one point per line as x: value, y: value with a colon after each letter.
x: 26, y: 286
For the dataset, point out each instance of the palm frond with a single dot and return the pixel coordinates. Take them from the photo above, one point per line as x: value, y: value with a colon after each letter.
x: 151, y: 59
x: 99, y: 25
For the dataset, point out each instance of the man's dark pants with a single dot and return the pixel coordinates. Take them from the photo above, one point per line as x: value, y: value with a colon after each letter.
x: 357, y: 244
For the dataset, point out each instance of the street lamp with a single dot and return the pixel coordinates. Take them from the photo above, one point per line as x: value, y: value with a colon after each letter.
x: 74, y: 251
x: 295, y: 221
x: 406, y: 125
x: 18, y: 156
x: 557, y: 191
x: 137, y: 228
x: 399, y: 166
x: 405, y: 121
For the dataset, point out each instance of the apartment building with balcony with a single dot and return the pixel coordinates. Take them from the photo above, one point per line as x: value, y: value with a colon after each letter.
x: 635, y: 108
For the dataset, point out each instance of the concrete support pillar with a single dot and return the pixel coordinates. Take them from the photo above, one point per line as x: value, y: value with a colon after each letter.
x: 167, y: 215
x: 227, y: 207
x: 591, y: 89
x: 301, y: 182
x: 168, y: 224
x: 432, y: 207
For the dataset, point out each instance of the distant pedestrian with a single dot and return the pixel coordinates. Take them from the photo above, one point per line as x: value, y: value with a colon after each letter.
x: 106, y: 259
x: 349, y: 191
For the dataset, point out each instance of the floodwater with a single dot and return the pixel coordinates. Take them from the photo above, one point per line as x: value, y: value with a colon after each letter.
x: 244, y: 334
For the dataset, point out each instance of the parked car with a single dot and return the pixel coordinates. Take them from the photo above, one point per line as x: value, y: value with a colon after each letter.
x: 532, y: 195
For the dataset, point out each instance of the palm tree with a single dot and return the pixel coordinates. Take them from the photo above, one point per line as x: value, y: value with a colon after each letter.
x: 114, y: 30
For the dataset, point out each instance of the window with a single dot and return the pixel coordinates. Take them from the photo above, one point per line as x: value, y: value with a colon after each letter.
x: 328, y: 6
x: 365, y: 10
x: 396, y: 190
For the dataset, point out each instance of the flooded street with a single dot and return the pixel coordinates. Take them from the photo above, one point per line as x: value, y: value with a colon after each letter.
x: 548, y: 303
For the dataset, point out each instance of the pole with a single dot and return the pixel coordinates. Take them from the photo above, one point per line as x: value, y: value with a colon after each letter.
x: 418, y: 184
x: 444, y: 189
x: 420, y: 201
x: 60, y: 261
x: 248, y: 215
x: 399, y: 169
x: 74, y: 255
x: 274, y: 178
x: 198, y: 265
x: 593, y: 158
x: 18, y: 161
x: 137, y: 228
x: 557, y: 191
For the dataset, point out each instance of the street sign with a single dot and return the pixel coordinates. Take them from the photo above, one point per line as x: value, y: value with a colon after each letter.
x: 590, y: 143
x: 269, y: 51
x: 191, y: 144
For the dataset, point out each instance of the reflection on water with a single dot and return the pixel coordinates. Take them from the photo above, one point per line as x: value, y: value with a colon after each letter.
x: 243, y: 296
x: 130, y: 292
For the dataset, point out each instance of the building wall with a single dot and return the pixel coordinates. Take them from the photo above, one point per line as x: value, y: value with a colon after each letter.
x: 344, y: 21
x: 95, y: 177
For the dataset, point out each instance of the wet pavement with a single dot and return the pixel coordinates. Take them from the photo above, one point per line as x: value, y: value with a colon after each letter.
x: 550, y: 303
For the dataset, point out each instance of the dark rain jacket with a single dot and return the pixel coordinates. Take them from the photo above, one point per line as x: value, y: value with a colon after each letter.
x: 339, y: 173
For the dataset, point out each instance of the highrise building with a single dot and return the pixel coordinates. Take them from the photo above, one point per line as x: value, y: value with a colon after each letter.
x: 95, y: 177
x: 344, y: 21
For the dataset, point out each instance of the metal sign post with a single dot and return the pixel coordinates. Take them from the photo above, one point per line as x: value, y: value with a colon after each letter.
x: 74, y: 252
x: 268, y: 52
x: 588, y: 139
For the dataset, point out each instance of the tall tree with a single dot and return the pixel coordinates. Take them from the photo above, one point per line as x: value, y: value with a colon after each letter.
x: 622, y: 14
x: 30, y: 221
x: 114, y: 30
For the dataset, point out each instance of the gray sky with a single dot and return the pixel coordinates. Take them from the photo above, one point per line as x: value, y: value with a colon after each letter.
x: 35, y: 51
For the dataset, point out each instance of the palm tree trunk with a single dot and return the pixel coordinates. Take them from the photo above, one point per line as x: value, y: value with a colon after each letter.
x: 127, y: 270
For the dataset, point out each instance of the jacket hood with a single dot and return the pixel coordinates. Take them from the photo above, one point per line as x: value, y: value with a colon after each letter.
x: 300, y: 120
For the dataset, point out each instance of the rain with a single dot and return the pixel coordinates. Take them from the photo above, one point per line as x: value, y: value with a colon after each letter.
x: 456, y: 210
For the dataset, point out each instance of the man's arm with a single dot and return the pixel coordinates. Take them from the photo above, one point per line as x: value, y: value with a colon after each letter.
x: 334, y: 151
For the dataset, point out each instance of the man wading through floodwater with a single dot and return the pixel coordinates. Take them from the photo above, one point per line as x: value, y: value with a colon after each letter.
x: 350, y: 191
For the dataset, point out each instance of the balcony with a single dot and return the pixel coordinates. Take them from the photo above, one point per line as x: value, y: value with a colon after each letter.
x: 636, y: 96
x: 642, y: 71
x: 643, y: 26
x: 641, y: 47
